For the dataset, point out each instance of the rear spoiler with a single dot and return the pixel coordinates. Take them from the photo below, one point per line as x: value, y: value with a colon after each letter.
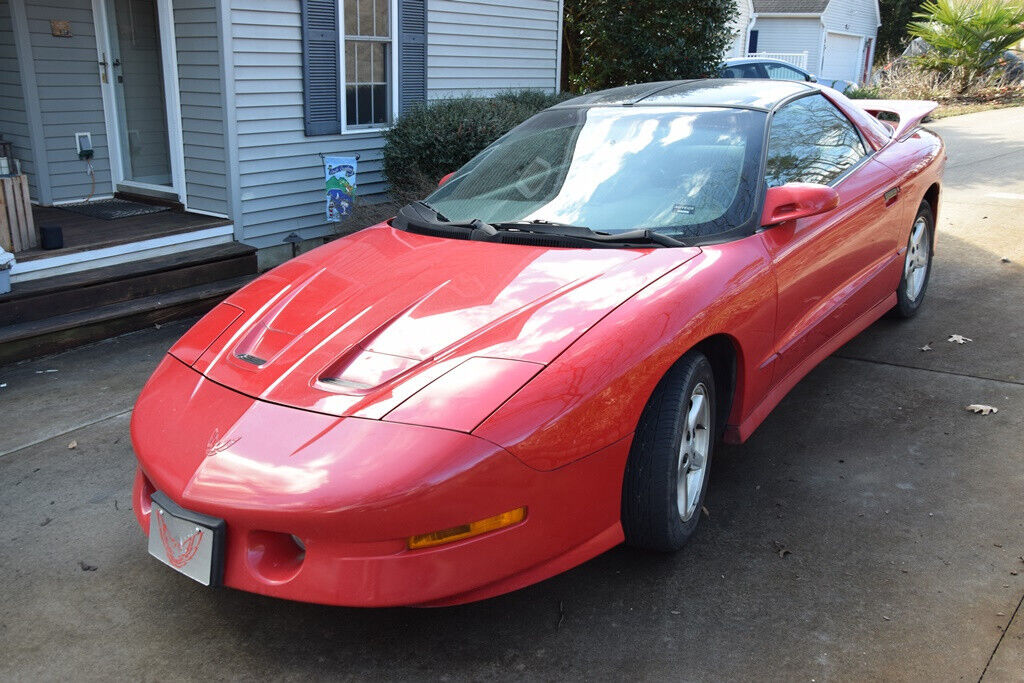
x: 909, y: 112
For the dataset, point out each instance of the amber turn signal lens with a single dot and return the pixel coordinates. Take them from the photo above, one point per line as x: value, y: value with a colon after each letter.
x: 457, y: 533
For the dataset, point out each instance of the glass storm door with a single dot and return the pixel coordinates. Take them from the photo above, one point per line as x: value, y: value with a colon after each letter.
x: 138, y: 79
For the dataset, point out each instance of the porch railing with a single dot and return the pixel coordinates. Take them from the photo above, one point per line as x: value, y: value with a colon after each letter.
x: 795, y: 58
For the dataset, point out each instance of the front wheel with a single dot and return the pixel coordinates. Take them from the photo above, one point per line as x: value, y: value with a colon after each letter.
x: 667, y: 472
x: 917, y: 265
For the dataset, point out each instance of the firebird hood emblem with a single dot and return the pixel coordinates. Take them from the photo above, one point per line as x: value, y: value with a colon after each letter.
x: 217, y: 445
x: 179, y: 550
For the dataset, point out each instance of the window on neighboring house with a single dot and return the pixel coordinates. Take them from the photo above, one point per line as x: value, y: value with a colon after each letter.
x: 368, y: 55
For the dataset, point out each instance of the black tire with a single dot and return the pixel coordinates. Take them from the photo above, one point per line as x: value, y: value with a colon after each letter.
x: 651, y: 517
x: 907, y: 307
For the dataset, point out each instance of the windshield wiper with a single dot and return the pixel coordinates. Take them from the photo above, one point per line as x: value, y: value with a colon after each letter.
x: 425, y: 217
x: 642, y: 235
x: 420, y: 216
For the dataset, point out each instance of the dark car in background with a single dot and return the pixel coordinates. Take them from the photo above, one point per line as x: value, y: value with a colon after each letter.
x: 775, y: 69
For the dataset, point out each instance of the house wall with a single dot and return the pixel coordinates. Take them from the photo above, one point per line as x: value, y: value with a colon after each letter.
x: 281, y: 181
x: 851, y: 16
x: 13, y: 121
x: 472, y: 47
x: 69, y: 95
x: 791, y: 34
x: 479, y: 47
x: 202, y: 110
x: 738, y: 48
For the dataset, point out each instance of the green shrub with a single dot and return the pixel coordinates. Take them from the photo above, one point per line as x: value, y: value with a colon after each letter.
x: 608, y: 43
x: 439, y: 137
x: 968, y: 37
x: 865, y: 92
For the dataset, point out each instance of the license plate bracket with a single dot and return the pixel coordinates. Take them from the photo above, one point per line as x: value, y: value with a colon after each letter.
x: 189, y: 542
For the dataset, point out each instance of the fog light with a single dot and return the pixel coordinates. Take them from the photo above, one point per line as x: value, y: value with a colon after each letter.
x: 273, y: 556
x: 457, y: 533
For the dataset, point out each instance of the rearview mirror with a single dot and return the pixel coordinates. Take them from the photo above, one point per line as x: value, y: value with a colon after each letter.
x: 797, y: 200
x: 444, y: 179
x: 811, y: 78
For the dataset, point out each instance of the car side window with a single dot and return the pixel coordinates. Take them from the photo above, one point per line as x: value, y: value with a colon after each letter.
x: 811, y: 142
x: 741, y: 71
x: 781, y: 72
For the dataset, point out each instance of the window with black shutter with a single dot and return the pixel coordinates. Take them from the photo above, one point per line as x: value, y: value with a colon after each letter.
x: 349, y: 48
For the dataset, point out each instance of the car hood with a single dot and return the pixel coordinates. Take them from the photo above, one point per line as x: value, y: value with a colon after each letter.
x: 358, y: 326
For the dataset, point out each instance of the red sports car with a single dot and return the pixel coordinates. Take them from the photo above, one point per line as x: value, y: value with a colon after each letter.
x: 535, y: 363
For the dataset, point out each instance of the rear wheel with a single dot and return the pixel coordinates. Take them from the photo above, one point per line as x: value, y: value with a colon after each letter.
x: 917, y: 264
x: 667, y: 473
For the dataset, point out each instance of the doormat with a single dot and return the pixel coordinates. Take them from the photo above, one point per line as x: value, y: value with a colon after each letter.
x: 112, y: 209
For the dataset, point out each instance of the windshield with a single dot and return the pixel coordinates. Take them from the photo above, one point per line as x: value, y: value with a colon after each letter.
x: 690, y: 172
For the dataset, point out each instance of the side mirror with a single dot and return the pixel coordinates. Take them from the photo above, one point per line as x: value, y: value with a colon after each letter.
x: 811, y: 78
x: 797, y: 200
x: 445, y: 178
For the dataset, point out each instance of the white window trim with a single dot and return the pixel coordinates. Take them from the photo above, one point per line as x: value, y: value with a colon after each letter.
x: 343, y: 96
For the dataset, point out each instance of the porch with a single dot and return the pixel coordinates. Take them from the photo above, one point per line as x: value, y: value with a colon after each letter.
x: 107, y: 97
x: 84, y: 233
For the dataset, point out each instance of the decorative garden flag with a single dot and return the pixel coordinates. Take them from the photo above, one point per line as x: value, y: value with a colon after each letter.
x: 340, y: 176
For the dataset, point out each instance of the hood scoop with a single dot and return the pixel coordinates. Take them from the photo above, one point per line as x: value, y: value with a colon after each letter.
x: 272, y: 333
x: 360, y: 369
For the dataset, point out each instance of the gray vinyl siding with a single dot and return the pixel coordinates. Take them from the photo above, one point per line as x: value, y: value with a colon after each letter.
x: 851, y: 16
x: 13, y: 122
x: 472, y: 47
x: 202, y: 111
x: 480, y: 47
x: 281, y: 176
x: 69, y: 95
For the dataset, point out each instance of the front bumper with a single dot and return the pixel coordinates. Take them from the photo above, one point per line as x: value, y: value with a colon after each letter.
x: 353, y: 490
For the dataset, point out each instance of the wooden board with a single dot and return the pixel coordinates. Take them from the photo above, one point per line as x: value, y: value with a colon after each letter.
x: 6, y: 243
x: 17, y: 225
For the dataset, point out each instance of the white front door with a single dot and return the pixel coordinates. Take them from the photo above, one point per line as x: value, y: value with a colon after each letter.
x: 841, y: 59
x: 140, y: 92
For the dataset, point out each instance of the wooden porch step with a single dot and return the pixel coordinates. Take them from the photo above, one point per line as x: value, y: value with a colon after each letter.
x: 51, y: 297
x: 49, y: 335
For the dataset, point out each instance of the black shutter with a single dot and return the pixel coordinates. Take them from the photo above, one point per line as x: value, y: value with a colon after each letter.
x: 412, y: 53
x: 752, y: 45
x: 321, y: 92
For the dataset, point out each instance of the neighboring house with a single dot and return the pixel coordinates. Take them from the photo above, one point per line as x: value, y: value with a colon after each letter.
x: 226, y: 106
x: 833, y: 39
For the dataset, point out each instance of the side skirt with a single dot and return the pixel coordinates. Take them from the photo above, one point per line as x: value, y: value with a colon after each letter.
x: 739, y: 433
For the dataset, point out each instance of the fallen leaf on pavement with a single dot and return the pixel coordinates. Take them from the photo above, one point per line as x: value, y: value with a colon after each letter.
x: 982, y: 408
x: 87, y: 567
x: 72, y: 445
x: 46, y: 521
x: 959, y: 339
x: 927, y: 347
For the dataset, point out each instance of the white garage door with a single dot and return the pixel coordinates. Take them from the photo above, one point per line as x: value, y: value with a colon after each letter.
x: 842, y: 57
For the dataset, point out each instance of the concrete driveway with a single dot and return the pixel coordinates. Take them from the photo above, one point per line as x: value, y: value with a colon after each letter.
x: 902, y: 515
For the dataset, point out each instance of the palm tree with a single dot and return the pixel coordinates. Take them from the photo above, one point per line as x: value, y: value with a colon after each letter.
x: 967, y: 37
